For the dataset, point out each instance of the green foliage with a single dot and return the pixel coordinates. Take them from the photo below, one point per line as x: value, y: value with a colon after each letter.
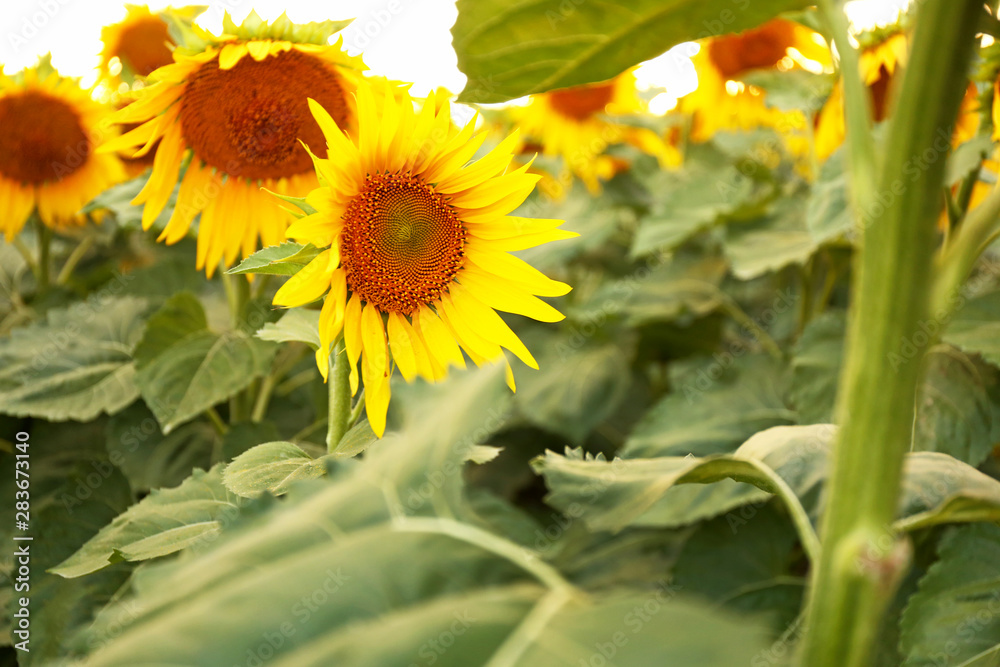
x: 690, y: 389
x: 286, y: 259
x: 713, y: 409
x: 953, y: 615
x: 163, y: 522
x: 272, y: 467
x: 297, y: 324
x: 77, y: 364
x: 384, y: 577
x: 183, y: 368
x: 508, y: 51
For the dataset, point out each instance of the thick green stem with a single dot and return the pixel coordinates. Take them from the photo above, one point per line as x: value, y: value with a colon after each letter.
x: 340, y: 397
x: 861, y: 561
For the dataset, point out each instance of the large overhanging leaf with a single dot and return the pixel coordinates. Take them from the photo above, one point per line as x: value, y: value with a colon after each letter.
x: 510, y: 49
x: 385, y: 564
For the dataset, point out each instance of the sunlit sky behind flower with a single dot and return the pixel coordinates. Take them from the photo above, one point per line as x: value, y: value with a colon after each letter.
x: 407, y: 40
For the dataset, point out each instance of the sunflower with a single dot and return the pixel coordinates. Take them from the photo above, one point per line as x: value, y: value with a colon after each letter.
x: 139, y: 44
x: 417, y: 244
x: 49, y: 128
x: 882, y: 53
x: 578, y: 124
x: 724, y: 101
x: 229, y: 113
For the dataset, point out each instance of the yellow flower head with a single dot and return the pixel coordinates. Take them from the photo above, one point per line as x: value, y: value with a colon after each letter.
x: 880, y: 59
x: 417, y: 245
x: 49, y: 129
x: 723, y: 101
x: 578, y: 125
x: 231, y: 111
x: 138, y: 44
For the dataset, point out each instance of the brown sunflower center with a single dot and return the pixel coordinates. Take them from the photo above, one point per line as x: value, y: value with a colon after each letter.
x: 143, y: 45
x: 761, y: 47
x: 583, y: 102
x: 402, y: 243
x: 41, y: 138
x: 247, y: 120
x: 879, y: 90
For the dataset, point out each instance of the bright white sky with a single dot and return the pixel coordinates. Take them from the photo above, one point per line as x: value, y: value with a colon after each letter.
x: 407, y: 40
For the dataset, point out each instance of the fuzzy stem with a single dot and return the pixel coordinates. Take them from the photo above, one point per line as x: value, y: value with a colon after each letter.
x: 340, y: 397
x: 862, y: 561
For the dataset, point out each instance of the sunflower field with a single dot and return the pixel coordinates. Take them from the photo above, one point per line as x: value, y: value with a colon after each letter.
x: 302, y: 364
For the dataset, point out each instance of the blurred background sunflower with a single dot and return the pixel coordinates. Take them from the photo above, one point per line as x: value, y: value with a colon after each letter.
x: 579, y: 124
x: 49, y: 130
x: 229, y: 113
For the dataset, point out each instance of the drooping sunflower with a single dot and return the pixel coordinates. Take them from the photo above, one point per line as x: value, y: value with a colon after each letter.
x: 417, y: 243
x: 724, y: 101
x: 883, y: 53
x: 230, y: 113
x: 578, y: 124
x: 49, y: 129
x: 139, y: 44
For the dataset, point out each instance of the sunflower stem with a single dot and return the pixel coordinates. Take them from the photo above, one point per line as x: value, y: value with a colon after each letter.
x: 26, y: 254
x: 74, y: 258
x: 340, y: 397
x: 857, y: 111
x: 359, y: 406
x: 956, y: 260
x: 862, y: 559
x: 237, y: 295
x: 213, y: 416
x: 44, y: 248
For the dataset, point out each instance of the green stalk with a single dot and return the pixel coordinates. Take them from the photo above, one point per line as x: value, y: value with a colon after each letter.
x: 955, y: 261
x: 237, y: 295
x: 44, y: 260
x: 861, y: 561
x: 78, y: 253
x: 340, y: 397
x: 857, y: 111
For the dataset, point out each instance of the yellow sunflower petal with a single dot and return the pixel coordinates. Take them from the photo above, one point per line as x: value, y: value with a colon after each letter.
x: 440, y: 343
x: 352, y: 338
x: 309, y: 284
x: 508, y: 297
x: 401, y: 346
x: 484, y: 320
x: 516, y: 269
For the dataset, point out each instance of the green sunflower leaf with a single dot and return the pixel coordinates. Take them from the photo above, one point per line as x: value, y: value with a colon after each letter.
x: 76, y: 364
x: 271, y: 467
x: 952, y: 619
x: 286, y: 259
x: 165, y: 521
x: 508, y: 50
x: 184, y: 368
